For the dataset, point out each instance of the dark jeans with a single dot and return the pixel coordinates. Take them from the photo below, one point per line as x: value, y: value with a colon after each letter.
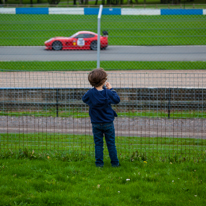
x: 99, y: 129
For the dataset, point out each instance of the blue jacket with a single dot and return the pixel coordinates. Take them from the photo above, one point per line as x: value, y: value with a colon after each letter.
x: 100, y: 110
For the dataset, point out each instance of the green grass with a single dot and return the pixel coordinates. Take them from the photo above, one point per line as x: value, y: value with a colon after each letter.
x: 132, y: 114
x: 51, y: 113
x: 164, y: 114
x: 53, y: 180
x: 32, y: 30
x: 83, y: 144
x: 58, y: 169
x: 107, y: 65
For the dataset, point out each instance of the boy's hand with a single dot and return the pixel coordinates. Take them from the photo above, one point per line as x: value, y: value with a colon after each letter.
x: 108, y: 85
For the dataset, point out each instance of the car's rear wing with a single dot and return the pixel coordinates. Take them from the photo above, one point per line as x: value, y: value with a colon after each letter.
x: 105, y: 33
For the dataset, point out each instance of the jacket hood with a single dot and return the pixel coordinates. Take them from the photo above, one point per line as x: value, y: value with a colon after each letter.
x: 100, y: 99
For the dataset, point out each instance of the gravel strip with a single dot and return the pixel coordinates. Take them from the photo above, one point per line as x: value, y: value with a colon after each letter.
x: 143, y: 127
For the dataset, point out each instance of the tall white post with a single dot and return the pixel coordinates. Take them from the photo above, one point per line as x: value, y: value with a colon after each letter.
x: 98, y: 32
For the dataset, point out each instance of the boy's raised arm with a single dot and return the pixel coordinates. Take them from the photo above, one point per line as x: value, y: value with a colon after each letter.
x: 114, y: 96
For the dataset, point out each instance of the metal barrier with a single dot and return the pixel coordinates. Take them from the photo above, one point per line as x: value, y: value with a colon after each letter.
x: 154, y: 99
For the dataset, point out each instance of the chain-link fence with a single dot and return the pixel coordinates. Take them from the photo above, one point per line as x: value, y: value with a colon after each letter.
x: 163, y: 100
x: 133, y: 27
x: 134, y: 41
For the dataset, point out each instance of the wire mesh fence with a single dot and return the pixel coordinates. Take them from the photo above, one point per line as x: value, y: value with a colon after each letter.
x: 160, y: 114
x: 41, y: 84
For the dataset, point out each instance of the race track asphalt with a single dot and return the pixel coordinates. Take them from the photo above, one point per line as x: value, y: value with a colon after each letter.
x: 112, y: 53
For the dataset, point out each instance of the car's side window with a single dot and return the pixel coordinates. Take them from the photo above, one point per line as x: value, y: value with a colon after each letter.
x: 88, y: 35
x: 80, y: 36
x: 84, y: 36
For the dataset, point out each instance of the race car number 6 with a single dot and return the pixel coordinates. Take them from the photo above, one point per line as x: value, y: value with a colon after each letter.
x: 80, y: 42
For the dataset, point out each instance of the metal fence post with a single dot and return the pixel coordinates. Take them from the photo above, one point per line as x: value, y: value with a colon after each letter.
x: 98, y: 32
x: 169, y: 102
x: 57, y: 102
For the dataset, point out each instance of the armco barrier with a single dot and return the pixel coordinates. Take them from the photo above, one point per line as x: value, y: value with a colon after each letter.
x: 181, y: 12
x: 32, y: 10
x: 106, y: 11
x: 140, y: 11
x: 135, y: 99
x: 7, y: 11
x: 70, y: 11
x: 110, y: 11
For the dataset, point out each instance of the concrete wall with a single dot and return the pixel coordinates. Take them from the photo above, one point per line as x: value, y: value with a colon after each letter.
x: 106, y: 11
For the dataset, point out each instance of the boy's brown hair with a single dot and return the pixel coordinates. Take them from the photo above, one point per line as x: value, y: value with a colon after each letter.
x: 97, y: 77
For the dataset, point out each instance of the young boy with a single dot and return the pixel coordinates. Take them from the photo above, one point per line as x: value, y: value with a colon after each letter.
x: 102, y: 115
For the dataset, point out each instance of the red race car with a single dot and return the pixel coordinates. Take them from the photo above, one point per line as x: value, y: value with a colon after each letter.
x: 81, y: 40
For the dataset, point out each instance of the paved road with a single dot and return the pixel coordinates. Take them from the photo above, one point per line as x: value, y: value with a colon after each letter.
x: 113, y: 53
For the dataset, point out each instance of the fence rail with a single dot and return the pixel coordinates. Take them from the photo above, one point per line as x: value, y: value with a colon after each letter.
x: 136, y: 98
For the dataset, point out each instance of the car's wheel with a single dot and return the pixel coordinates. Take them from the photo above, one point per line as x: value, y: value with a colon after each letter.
x: 93, y: 45
x: 104, y: 48
x: 57, y: 45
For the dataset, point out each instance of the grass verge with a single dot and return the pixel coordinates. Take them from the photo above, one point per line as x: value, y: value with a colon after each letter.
x: 107, y: 65
x: 34, y: 30
x: 83, y: 144
x: 58, y: 180
x: 131, y: 114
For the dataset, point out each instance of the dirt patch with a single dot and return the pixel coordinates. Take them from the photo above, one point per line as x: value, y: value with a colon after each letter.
x: 120, y: 79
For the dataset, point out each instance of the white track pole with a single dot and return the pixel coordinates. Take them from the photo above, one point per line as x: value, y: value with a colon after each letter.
x: 98, y: 32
